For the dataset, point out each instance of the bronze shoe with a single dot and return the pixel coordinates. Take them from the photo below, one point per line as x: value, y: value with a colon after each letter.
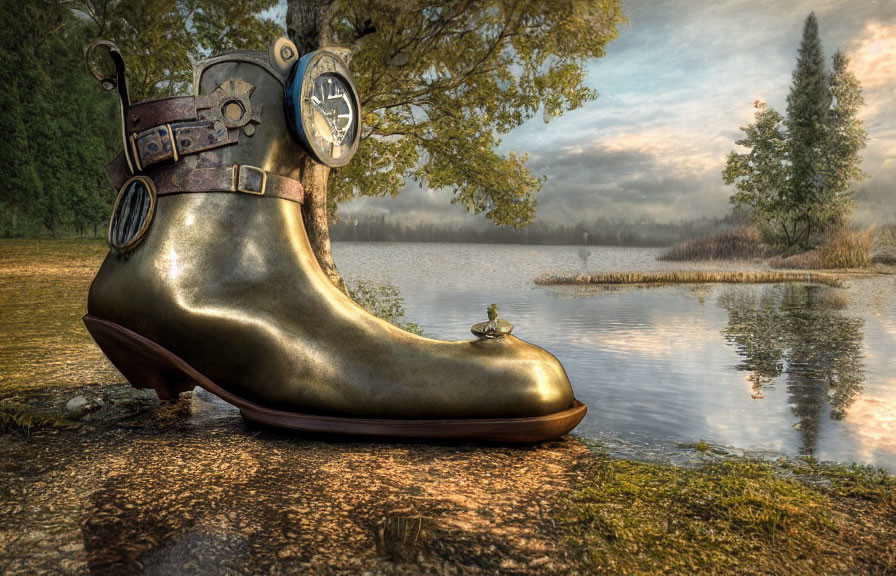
x: 211, y: 281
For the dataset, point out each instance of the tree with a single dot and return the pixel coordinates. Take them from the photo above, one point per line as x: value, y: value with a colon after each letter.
x: 59, y: 128
x: 796, y: 179
x: 844, y: 140
x: 761, y: 175
x: 439, y: 82
x: 807, y: 107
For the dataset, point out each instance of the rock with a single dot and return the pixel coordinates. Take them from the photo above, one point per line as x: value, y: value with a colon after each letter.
x: 77, y: 407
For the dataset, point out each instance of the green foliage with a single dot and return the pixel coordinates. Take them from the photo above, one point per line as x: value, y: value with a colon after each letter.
x: 59, y: 127
x: 440, y: 81
x: 160, y: 39
x: 383, y: 301
x: 797, y: 177
x: 19, y: 418
x: 807, y: 107
x: 701, y: 446
x: 730, y: 517
x: 844, y: 140
x: 858, y: 481
x: 761, y: 175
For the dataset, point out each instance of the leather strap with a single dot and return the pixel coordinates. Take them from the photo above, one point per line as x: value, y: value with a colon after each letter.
x: 117, y: 171
x: 168, y: 142
x: 167, y: 129
x: 145, y: 115
x: 172, y: 141
x: 235, y: 178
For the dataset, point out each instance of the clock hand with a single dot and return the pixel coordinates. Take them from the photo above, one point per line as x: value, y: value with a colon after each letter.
x: 316, y: 103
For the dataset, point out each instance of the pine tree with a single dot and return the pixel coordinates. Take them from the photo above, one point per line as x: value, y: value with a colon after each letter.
x: 807, y: 109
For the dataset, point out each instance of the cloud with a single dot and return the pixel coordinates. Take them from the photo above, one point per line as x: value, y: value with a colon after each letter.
x: 674, y: 89
x: 874, y: 56
x: 630, y: 177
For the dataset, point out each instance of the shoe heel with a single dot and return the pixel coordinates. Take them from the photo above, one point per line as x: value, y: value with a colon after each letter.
x: 143, y: 366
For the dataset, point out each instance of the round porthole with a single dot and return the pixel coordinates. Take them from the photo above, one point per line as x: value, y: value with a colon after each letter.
x: 132, y: 213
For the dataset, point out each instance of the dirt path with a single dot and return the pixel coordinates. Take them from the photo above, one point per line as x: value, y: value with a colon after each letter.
x: 187, y: 488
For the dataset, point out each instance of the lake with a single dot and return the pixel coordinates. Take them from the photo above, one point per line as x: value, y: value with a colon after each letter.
x: 761, y: 369
x: 766, y: 369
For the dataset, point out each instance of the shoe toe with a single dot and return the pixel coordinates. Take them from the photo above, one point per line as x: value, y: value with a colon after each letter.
x: 527, y: 380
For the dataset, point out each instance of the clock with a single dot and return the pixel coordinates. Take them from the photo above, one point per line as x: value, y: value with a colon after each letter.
x: 322, y: 108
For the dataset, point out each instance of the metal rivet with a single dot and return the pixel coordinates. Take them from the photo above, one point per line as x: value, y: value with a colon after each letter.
x: 249, y: 130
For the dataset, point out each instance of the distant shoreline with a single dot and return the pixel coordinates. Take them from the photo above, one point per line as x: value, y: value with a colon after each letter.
x: 689, y: 277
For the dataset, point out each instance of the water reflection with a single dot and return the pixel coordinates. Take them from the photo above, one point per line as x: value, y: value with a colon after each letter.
x: 799, y: 333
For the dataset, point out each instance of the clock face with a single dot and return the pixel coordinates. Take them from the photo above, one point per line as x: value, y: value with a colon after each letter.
x: 322, y: 108
x: 334, y: 118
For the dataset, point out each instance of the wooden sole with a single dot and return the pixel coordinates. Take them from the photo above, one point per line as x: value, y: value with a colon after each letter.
x: 145, y: 364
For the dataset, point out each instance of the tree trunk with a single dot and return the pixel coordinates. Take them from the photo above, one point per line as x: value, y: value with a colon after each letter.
x: 307, y: 23
x: 314, y: 213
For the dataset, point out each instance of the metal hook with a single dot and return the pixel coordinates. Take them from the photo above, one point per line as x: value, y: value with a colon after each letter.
x: 118, y: 81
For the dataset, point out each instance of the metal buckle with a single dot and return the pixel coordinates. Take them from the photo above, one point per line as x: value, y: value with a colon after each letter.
x: 249, y: 184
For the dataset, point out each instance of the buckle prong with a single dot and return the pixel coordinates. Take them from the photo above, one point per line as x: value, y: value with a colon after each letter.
x: 173, y: 143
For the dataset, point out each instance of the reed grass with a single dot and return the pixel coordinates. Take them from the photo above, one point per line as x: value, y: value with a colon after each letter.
x: 742, y: 243
x: 687, y: 277
x: 883, y: 245
x: 843, y: 248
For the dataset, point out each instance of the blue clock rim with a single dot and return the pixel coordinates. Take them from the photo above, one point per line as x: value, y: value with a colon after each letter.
x: 292, y: 101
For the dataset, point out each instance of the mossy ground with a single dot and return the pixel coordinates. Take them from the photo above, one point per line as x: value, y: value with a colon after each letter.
x: 732, y: 517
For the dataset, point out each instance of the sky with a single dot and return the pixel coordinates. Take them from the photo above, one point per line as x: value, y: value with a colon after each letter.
x: 674, y: 88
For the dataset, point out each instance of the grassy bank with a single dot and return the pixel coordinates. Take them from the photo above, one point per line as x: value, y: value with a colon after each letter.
x: 741, y: 243
x: 735, y: 517
x: 842, y: 248
x: 687, y: 277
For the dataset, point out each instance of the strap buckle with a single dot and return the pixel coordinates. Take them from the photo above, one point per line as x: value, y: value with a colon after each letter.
x: 249, y: 179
